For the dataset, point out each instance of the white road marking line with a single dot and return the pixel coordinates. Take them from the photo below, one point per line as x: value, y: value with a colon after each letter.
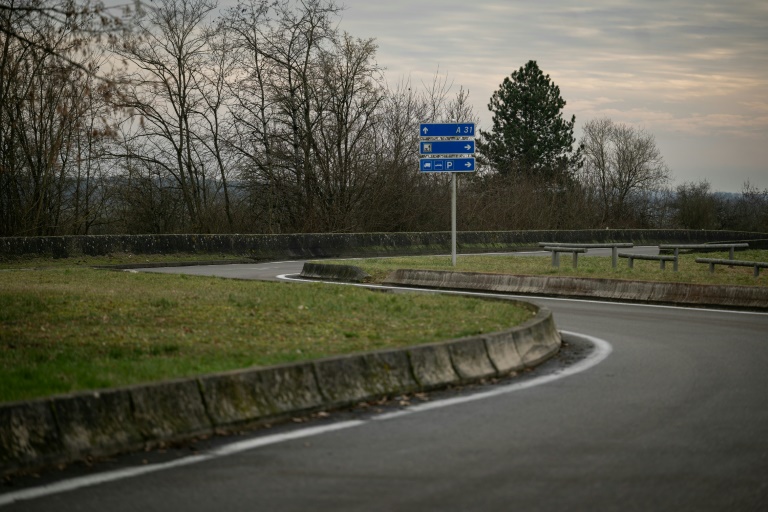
x: 87, y: 481
x: 251, y: 444
x: 601, y: 350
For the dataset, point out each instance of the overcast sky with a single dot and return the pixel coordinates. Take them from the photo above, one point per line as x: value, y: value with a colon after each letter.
x: 694, y: 73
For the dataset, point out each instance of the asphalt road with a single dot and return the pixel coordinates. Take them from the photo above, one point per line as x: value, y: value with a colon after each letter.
x: 675, y: 418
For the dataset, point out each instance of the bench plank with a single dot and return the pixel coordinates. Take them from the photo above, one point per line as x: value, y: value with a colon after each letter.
x: 662, y: 259
x: 757, y: 265
x: 731, y: 247
x: 613, y: 246
x: 587, y: 246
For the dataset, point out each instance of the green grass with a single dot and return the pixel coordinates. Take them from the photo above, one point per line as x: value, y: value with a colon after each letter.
x: 596, y: 267
x: 71, y: 328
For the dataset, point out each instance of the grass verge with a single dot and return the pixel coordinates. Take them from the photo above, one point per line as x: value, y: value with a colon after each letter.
x: 595, y: 267
x: 71, y: 328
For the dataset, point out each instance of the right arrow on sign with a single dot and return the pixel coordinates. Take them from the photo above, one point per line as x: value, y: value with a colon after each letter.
x: 447, y: 147
x: 447, y: 164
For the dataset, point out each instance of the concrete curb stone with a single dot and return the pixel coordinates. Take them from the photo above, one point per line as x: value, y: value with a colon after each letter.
x: 91, y: 424
x: 234, y: 398
x: 431, y: 365
x: 469, y: 357
x: 161, y: 411
x: 350, y: 379
x: 243, y: 396
x: 503, y: 351
x: 529, y: 341
x: 28, y: 434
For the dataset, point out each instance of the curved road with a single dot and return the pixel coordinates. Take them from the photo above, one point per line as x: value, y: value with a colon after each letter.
x: 675, y: 418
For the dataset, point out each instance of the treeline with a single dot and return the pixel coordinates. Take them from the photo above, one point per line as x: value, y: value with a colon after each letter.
x: 270, y: 119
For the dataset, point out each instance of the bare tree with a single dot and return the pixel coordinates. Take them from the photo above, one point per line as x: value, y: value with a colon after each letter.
x: 749, y: 211
x: 146, y: 198
x: 696, y: 206
x: 620, y: 161
x: 281, y: 48
x: 393, y: 198
x: 167, y: 55
x: 218, y: 129
x: 84, y: 21
x: 255, y: 140
x: 87, y: 190
x: 44, y: 104
x: 347, y: 105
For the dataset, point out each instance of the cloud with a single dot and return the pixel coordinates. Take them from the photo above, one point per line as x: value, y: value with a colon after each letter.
x: 693, y: 72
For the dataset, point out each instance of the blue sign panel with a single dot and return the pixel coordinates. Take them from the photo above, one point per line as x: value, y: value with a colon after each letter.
x: 447, y: 130
x: 447, y: 147
x: 447, y: 164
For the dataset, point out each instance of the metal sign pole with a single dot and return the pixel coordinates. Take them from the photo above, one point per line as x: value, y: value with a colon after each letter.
x: 453, y: 219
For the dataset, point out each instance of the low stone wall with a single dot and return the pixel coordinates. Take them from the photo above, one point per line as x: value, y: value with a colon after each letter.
x: 270, y: 247
x: 66, y: 428
x: 749, y: 297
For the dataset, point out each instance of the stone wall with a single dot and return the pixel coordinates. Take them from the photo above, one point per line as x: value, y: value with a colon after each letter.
x: 269, y: 247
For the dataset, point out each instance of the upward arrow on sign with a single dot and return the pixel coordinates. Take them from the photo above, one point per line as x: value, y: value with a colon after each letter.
x: 447, y: 129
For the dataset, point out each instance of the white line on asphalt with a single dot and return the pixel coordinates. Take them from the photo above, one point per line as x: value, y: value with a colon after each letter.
x: 251, y: 444
x: 122, y: 474
x: 600, y: 351
x: 87, y: 481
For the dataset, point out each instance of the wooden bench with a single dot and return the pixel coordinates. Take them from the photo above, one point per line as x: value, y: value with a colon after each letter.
x: 662, y: 259
x: 613, y: 246
x: 556, y: 254
x: 702, y: 247
x: 731, y: 263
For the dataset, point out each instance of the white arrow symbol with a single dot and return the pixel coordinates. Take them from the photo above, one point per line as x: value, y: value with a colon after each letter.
x: 467, y: 165
x: 426, y: 130
x: 467, y: 147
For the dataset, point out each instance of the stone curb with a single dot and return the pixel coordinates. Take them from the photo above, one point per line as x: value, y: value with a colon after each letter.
x: 348, y: 273
x: 747, y: 297
x: 67, y: 428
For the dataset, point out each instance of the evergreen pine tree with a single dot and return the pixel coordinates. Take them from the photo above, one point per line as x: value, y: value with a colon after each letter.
x: 529, y: 136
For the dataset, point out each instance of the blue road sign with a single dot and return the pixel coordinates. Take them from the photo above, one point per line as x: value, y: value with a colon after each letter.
x: 447, y: 147
x: 447, y: 164
x: 447, y: 130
